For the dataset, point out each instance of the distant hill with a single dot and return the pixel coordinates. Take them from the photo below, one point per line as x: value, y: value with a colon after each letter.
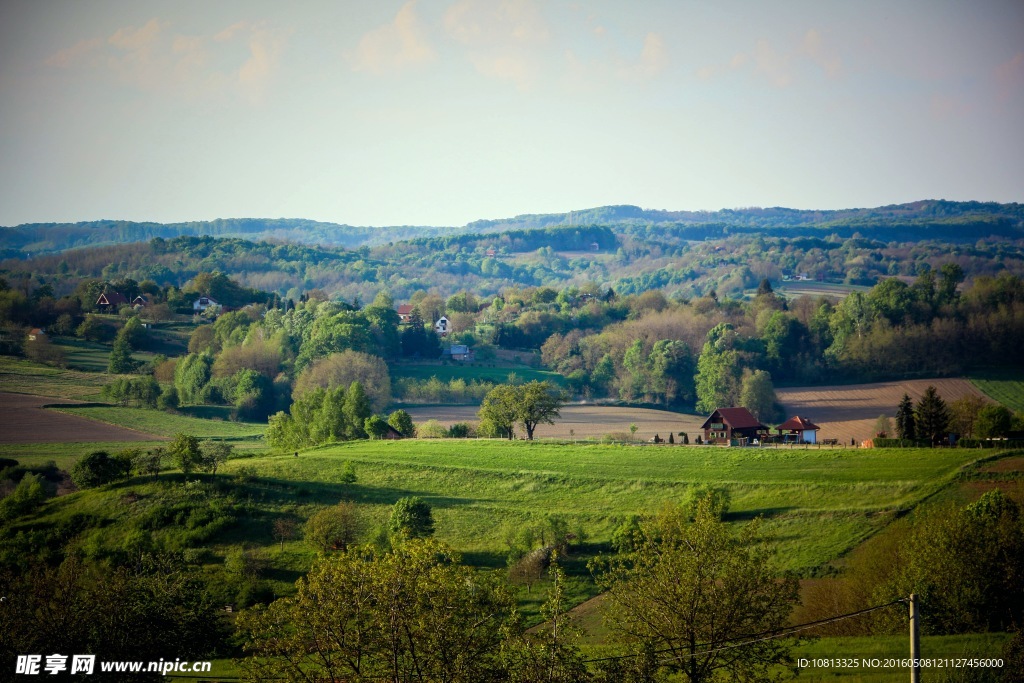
x: 927, y: 219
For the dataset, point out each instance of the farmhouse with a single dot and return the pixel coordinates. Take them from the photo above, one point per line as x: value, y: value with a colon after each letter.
x: 139, y: 302
x: 442, y: 326
x: 109, y: 302
x: 798, y: 429
x: 204, y: 303
x: 36, y: 334
x: 732, y: 426
x: 405, y: 312
x: 457, y: 352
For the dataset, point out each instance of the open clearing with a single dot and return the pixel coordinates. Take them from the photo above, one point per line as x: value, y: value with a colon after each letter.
x: 24, y: 420
x: 845, y: 412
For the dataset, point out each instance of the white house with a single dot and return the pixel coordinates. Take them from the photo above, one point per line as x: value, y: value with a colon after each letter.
x: 203, y: 303
x: 442, y: 326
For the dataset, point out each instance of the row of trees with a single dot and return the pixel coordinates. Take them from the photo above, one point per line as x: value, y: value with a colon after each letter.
x: 931, y: 419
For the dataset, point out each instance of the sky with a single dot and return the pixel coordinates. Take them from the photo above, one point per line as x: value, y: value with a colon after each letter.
x: 441, y: 112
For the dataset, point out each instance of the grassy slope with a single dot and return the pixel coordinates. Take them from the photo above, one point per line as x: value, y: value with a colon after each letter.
x: 819, y: 503
x: 1008, y: 390
x: 168, y: 424
x: 25, y: 377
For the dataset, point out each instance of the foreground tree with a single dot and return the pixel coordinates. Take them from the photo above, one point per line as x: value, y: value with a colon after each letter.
x: 414, y: 614
x: 690, y: 588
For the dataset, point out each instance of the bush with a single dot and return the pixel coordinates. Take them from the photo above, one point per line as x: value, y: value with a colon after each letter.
x: 334, y: 528
x: 95, y: 469
x: 412, y: 518
x: 431, y: 429
x: 460, y: 430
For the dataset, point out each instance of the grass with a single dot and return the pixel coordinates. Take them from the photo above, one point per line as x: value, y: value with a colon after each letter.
x: 89, y: 356
x: 818, y: 504
x: 1006, y: 388
x: 25, y: 377
x: 168, y: 424
x: 478, y: 372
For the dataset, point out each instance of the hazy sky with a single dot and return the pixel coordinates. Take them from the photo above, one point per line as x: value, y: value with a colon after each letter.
x: 442, y: 112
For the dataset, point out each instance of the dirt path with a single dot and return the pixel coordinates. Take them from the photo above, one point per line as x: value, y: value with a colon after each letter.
x: 24, y: 420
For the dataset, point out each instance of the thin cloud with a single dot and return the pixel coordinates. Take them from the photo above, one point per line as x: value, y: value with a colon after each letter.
x: 154, y: 59
x: 780, y: 68
x: 395, y: 46
x: 500, y: 39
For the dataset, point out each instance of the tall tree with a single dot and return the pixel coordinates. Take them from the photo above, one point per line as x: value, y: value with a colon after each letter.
x: 718, y: 370
x: 538, y: 402
x: 906, y: 426
x: 499, y: 411
x: 121, y: 360
x: 931, y: 416
x: 758, y: 395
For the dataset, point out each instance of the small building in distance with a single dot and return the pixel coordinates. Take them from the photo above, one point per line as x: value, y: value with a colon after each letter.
x: 204, y: 303
x: 460, y: 352
x: 110, y: 302
x: 139, y: 302
x: 442, y: 326
x: 732, y: 426
x: 36, y: 334
x: 798, y: 429
x: 405, y: 312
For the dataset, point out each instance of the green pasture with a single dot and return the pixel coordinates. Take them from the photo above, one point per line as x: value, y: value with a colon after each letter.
x: 1006, y: 388
x: 89, y: 356
x: 26, y: 377
x: 487, y: 372
x: 817, y: 504
x: 163, y: 423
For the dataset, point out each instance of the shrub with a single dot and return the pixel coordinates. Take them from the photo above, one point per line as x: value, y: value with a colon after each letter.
x: 431, y: 429
x: 411, y: 518
x: 95, y: 469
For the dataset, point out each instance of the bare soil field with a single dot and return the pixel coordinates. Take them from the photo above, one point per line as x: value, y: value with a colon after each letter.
x: 585, y: 421
x: 24, y: 420
x: 845, y: 412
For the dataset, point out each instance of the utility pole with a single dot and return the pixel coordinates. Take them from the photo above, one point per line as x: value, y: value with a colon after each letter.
x: 915, y: 641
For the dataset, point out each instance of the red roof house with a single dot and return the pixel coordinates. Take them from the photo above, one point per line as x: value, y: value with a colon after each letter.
x: 729, y: 425
x: 405, y: 312
x: 799, y: 429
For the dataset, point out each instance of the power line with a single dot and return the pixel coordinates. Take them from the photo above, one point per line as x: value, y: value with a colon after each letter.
x: 756, y: 637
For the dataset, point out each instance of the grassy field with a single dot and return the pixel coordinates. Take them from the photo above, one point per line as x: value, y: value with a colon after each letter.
x: 497, y: 373
x: 168, y: 424
x: 89, y: 356
x: 817, y: 503
x: 25, y: 377
x: 1007, y: 389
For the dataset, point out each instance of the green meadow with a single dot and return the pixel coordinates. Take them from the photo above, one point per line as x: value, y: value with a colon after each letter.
x: 168, y: 424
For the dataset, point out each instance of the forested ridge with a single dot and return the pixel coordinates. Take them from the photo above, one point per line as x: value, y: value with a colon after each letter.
x: 928, y: 219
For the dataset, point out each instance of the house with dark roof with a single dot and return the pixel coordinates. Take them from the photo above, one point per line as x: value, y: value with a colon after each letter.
x: 798, y: 429
x: 460, y: 352
x: 110, y: 302
x: 732, y: 426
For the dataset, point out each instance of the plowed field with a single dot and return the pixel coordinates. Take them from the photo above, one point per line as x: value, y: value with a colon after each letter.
x: 845, y: 412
